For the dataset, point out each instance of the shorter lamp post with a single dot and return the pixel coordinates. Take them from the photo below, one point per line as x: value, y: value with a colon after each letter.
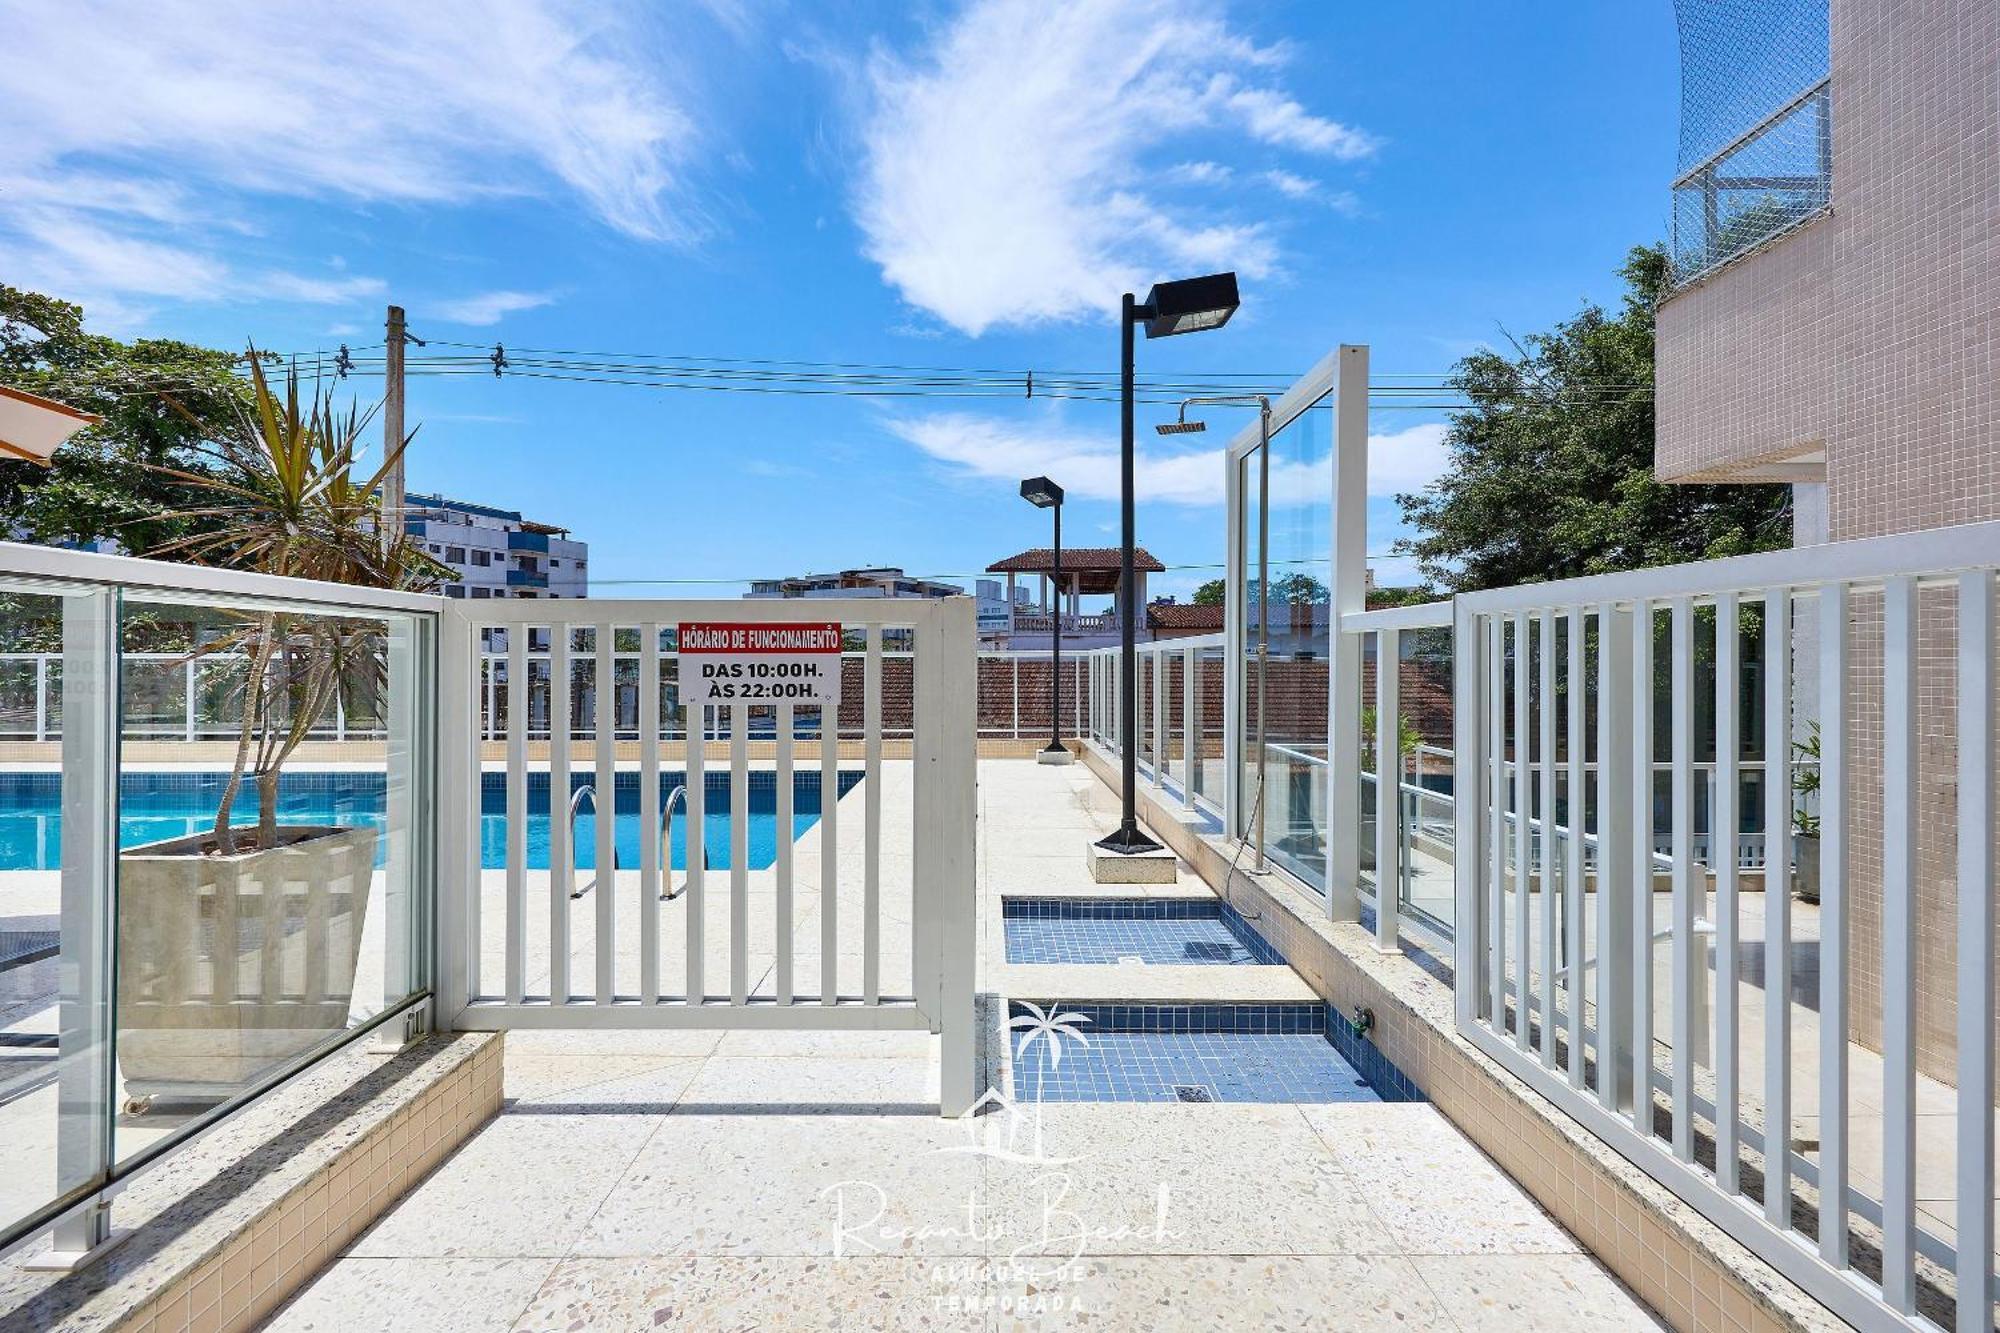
x: 1045, y: 494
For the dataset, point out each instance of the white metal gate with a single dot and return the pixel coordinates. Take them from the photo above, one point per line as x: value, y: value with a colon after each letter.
x: 875, y: 931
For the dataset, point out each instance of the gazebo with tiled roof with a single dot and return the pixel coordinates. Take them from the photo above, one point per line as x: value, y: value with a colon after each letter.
x: 1086, y: 571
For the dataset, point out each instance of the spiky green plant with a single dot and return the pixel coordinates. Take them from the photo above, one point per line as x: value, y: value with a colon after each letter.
x: 291, y: 500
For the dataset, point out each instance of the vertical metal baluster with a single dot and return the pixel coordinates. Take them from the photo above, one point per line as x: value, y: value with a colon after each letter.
x: 652, y: 855
x: 1641, y: 942
x: 1899, y: 944
x: 1833, y: 918
x: 1722, y: 855
x: 1975, y: 955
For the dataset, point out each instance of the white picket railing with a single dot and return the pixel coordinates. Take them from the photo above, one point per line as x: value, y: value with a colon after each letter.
x: 488, y: 972
x: 1585, y: 1036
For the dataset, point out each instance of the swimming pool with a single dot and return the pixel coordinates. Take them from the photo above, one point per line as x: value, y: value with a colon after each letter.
x: 153, y: 806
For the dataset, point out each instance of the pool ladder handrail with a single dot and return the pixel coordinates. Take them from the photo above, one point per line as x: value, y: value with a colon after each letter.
x: 576, y: 808
x: 677, y: 798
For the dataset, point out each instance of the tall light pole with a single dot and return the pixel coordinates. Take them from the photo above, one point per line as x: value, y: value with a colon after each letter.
x: 1190, y: 305
x: 1045, y: 494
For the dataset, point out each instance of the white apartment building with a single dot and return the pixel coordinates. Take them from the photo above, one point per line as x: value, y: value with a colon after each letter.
x: 497, y: 552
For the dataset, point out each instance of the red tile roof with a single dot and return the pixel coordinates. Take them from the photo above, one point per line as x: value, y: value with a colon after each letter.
x: 1185, y: 616
x: 1041, y: 559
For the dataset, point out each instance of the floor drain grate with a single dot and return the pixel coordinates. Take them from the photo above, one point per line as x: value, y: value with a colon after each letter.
x: 1130, y: 958
x: 1193, y: 1092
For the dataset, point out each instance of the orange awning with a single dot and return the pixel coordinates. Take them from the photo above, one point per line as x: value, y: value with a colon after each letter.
x: 32, y: 426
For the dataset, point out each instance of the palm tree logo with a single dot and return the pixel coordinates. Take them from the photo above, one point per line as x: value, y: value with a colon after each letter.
x: 1049, y: 1028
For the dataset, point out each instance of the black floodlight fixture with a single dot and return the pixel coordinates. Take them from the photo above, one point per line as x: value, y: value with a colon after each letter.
x: 1191, y: 305
x: 1041, y: 492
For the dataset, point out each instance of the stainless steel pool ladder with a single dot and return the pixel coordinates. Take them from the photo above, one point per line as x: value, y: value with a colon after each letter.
x: 576, y: 808
x: 676, y: 799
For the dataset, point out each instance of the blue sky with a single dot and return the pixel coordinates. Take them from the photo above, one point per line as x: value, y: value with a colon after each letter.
x: 965, y: 184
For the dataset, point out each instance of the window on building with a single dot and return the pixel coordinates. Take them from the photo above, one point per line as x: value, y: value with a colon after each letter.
x: 454, y: 590
x: 454, y: 555
x: 482, y: 558
x: 481, y: 592
x: 554, y: 563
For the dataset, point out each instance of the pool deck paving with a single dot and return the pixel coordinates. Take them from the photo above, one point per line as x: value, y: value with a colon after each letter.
x: 778, y: 1180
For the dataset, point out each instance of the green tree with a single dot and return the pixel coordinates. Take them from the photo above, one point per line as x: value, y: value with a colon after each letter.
x: 160, y: 401
x: 1551, y: 470
x: 1296, y: 589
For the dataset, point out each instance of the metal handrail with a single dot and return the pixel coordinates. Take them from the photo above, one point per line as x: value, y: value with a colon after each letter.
x: 575, y: 808
x: 678, y: 797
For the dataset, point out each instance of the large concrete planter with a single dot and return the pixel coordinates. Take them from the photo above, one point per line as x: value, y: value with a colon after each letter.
x: 229, y: 965
x: 1805, y: 875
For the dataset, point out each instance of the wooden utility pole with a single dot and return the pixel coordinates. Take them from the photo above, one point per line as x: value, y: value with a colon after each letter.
x: 392, y: 424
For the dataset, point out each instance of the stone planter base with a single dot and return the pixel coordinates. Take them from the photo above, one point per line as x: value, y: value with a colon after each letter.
x: 231, y: 965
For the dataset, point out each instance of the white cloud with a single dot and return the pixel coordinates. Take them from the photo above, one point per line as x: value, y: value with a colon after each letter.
x: 156, y: 125
x: 1291, y: 185
x: 1007, y: 165
x: 486, y: 308
x: 1087, y: 464
x: 1277, y: 119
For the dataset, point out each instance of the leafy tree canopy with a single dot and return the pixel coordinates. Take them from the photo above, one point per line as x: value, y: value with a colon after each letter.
x: 1295, y: 589
x: 1551, y: 470
x: 160, y: 400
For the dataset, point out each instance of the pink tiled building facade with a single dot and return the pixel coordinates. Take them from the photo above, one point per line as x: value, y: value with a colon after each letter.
x: 1834, y: 327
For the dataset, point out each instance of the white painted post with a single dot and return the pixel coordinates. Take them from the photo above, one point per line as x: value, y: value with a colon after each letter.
x: 1471, y: 820
x: 1834, y: 926
x: 604, y: 748
x: 652, y: 854
x: 517, y: 809
x: 1722, y: 856
x: 1545, y: 688
x: 1639, y: 946
x: 692, y: 895
x: 562, y: 855
x: 1524, y: 831
x: 786, y: 837
x: 1899, y: 944
x: 84, y: 979
x: 1576, y: 789
x: 946, y: 803
x: 460, y: 732
x: 1233, y: 815
x: 1975, y: 957
x: 739, y: 853
x: 871, y: 817
x: 1388, y: 790
x: 1689, y: 975
x: 1349, y: 533
x: 1778, y: 908
x: 1190, y: 725
x: 1158, y: 689
x: 1496, y: 789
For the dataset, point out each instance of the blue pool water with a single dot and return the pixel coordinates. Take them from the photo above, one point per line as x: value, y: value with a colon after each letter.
x: 1150, y: 930
x: 1192, y: 1053
x: 154, y: 806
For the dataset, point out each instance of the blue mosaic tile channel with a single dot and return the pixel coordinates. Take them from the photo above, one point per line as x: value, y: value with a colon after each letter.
x: 1195, y: 1053
x: 1145, y: 930
x: 154, y: 806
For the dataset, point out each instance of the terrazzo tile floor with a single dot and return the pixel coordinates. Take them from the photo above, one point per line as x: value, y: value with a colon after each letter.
x: 805, y: 1181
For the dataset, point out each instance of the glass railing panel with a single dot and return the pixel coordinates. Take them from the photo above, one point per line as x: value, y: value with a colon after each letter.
x: 268, y: 877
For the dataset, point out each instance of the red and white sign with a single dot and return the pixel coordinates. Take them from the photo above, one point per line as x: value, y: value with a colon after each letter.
x: 728, y: 662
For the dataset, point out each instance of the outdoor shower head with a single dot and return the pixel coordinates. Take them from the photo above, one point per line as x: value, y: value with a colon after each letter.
x: 1181, y: 427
